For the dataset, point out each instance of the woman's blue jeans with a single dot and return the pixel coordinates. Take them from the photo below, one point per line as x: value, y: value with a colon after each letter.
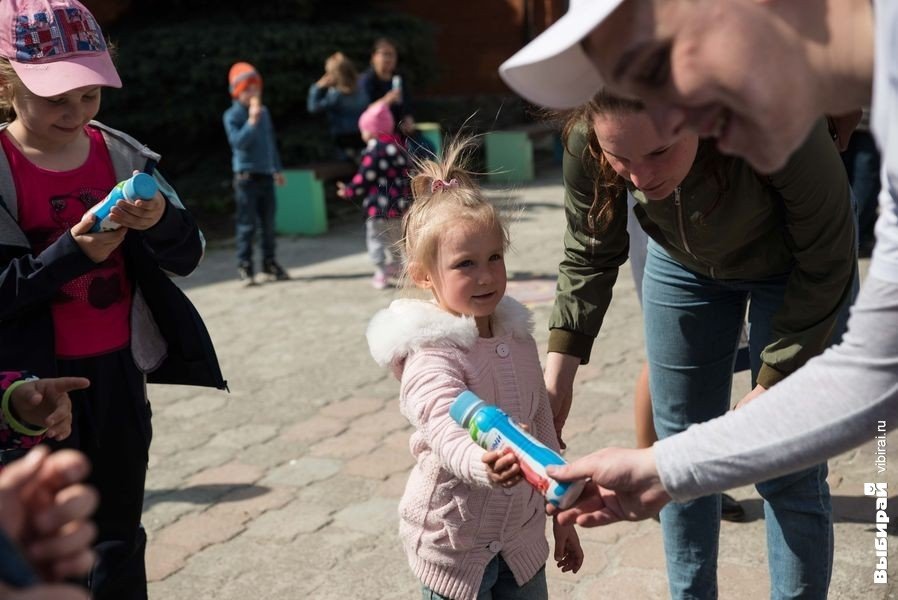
x: 692, y: 326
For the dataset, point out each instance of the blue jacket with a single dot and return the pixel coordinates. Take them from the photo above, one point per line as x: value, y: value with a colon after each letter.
x: 254, y: 147
x: 343, y: 110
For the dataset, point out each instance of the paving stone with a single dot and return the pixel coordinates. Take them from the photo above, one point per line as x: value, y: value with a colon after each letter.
x: 345, y: 446
x: 316, y: 428
x: 379, y: 423
x: 232, y: 473
x: 352, y: 407
x: 632, y: 584
x: 251, y: 501
x: 642, y: 552
x: 196, y: 531
x: 194, y: 407
x: 288, y: 522
x: 303, y: 471
x: 164, y: 559
x: 379, y: 463
x: 244, y: 436
x: 375, y: 516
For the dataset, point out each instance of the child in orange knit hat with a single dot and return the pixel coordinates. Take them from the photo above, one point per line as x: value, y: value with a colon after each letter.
x: 257, y: 167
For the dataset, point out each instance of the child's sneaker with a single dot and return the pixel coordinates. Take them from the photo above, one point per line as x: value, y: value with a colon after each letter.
x: 379, y: 281
x: 246, y: 274
x: 275, y: 271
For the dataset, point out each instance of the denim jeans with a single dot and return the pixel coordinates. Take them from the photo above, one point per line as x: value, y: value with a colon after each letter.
x: 255, y: 202
x: 692, y: 326
x: 499, y: 584
x: 862, y: 162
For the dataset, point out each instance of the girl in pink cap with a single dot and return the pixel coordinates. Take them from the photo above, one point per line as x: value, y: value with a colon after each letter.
x: 94, y: 305
x: 382, y: 187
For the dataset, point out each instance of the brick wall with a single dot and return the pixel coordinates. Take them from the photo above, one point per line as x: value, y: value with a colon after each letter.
x: 475, y: 36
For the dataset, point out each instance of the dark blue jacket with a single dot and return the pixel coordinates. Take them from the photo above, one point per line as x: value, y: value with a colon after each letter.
x: 169, y: 341
x: 253, y: 147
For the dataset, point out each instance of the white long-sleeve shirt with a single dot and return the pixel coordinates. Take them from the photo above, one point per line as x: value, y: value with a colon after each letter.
x: 837, y: 400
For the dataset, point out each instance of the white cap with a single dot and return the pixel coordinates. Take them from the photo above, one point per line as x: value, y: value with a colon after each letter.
x: 553, y: 70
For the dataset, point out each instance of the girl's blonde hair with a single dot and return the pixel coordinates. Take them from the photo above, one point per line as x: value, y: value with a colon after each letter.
x: 9, y: 83
x: 444, y: 191
x: 343, y: 71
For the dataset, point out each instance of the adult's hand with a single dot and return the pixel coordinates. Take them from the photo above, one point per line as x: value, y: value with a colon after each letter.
x: 624, y: 486
x: 45, y: 592
x: 561, y: 369
x: 45, y: 510
x: 757, y: 391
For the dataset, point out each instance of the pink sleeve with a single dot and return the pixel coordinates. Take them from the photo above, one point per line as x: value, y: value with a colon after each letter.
x: 430, y: 383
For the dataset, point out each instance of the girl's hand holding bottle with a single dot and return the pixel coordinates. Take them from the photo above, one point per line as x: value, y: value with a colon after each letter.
x: 140, y: 214
x: 502, y: 467
x: 96, y: 246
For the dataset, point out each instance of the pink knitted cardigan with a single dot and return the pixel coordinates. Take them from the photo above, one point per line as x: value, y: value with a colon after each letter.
x: 451, y: 522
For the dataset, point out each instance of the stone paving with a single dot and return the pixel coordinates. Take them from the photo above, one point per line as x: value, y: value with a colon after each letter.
x: 287, y: 487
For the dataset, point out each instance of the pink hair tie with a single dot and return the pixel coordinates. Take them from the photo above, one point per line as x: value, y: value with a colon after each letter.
x: 438, y: 184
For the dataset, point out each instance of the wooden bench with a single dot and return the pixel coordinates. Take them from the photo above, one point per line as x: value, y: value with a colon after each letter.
x: 302, y: 206
x: 509, y: 152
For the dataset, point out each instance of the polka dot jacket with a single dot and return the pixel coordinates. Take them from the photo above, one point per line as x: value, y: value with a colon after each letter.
x: 382, y: 182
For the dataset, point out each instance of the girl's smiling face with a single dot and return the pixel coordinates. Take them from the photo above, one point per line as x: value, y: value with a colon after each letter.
x: 57, y: 120
x: 468, y: 277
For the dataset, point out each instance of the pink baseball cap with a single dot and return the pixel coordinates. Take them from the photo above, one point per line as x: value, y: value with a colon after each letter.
x: 376, y: 119
x: 54, y: 46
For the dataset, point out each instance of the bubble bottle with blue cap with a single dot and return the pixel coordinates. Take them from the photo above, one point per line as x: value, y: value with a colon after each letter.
x: 493, y: 429
x: 139, y: 187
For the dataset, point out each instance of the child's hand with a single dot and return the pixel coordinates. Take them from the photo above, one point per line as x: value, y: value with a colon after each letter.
x: 46, y: 403
x: 392, y: 97
x: 255, y: 108
x: 96, y: 246
x: 568, y: 553
x: 342, y: 190
x: 279, y: 178
x: 502, y: 467
x: 140, y: 214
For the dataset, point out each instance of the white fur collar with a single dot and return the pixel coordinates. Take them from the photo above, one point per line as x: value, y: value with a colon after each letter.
x: 408, y: 325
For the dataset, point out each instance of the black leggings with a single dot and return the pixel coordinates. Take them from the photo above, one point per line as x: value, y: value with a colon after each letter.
x: 111, y: 425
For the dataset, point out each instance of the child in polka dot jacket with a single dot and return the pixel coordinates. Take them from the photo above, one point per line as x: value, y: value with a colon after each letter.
x: 382, y: 186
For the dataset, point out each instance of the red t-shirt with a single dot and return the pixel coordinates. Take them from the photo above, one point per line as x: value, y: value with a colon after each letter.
x: 91, y: 312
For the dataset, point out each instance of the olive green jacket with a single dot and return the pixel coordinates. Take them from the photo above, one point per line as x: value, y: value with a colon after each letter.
x: 796, y: 222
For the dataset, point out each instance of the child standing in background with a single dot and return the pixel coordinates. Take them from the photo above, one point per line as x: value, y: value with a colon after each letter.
x: 469, y: 530
x: 382, y: 185
x: 257, y: 167
x: 340, y: 96
x: 93, y: 305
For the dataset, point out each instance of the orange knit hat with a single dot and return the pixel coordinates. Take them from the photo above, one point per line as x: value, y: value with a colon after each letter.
x: 240, y: 77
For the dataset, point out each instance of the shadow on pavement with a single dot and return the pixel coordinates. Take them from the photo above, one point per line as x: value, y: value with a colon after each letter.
x: 209, y: 493
x: 846, y: 509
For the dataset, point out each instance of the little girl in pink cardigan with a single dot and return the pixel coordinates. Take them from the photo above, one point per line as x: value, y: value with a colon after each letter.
x: 466, y: 525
